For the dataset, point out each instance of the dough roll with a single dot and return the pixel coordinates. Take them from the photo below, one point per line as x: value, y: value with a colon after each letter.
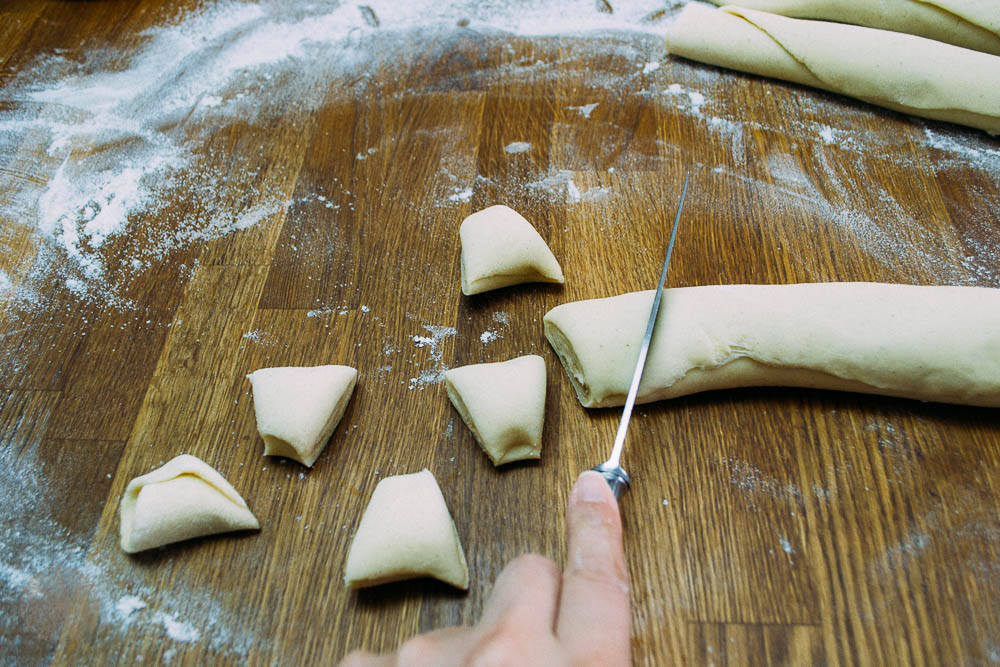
x: 972, y: 24
x: 927, y: 343
x: 902, y: 72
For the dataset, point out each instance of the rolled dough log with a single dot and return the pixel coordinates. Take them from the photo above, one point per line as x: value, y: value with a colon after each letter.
x: 406, y: 532
x: 298, y: 408
x: 928, y: 343
x: 905, y: 73
x: 184, y: 498
x: 503, y: 404
x: 501, y: 248
x: 972, y: 24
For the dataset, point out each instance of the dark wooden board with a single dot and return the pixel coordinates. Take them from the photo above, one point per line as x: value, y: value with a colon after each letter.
x: 777, y: 525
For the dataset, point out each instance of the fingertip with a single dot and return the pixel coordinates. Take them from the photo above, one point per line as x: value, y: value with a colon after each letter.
x: 591, y: 487
x: 594, y: 605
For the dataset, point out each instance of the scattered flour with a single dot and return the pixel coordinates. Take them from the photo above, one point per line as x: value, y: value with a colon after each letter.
x: 695, y: 99
x: 488, y: 336
x: 560, y: 185
x: 97, y: 152
x: 786, y: 546
x: 100, y: 157
x: 128, y: 604
x: 462, y: 195
x: 517, y: 147
x: 751, y: 481
x: 585, y: 110
x: 434, y: 375
x: 573, y: 195
x: 177, y: 630
x: 44, y: 566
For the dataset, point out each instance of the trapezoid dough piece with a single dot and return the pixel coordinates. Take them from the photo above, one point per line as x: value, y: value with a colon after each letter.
x: 972, y: 24
x: 298, y: 407
x: 928, y: 343
x: 406, y: 532
x: 183, y: 499
x: 902, y: 72
x: 503, y: 404
x: 501, y: 248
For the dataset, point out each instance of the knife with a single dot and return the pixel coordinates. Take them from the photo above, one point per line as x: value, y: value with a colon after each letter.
x: 612, y: 470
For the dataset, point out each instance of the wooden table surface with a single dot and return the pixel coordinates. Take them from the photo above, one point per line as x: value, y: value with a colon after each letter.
x: 764, y: 526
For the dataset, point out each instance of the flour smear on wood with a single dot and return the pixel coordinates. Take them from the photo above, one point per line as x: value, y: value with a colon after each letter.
x: 109, y: 160
x: 110, y: 165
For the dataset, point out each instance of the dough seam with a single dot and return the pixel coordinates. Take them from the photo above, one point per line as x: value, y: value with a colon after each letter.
x: 823, y: 84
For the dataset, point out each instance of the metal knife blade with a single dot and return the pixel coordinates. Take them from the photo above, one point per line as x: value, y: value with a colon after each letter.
x: 613, y: 473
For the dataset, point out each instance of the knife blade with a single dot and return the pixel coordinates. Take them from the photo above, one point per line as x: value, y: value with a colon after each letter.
x: 612, y: 470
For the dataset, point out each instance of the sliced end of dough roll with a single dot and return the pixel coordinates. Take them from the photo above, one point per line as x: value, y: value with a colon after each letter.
x: 298, y: 408
x: 406, y: 532
x: 503, y: 404
x: 501, y: 248
x: 564, y: 349
x: 183, y: 499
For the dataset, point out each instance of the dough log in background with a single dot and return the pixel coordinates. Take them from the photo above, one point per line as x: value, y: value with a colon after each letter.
x: 972, y: 24
x: 195, y: 190
x: 902, y: 72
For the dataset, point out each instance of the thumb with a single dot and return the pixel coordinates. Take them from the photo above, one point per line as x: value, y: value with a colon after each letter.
x: 594, y: 614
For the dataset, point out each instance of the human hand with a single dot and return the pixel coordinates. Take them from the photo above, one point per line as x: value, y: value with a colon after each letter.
x: 538, y: 615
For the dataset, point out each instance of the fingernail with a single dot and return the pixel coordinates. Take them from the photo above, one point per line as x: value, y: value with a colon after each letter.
x: 591, y: 488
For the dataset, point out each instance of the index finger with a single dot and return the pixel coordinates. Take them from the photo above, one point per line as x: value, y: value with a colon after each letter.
x: 594, y: 615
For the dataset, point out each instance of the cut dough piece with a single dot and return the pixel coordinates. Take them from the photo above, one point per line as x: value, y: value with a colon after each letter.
x: 503, y: 404
x: 298, y: 407
x: 184, y: 498
x: 501, y: 248
x: 902, y: 72
x: 928, y: 343
x: 973, y: 24
x: 406, y: 532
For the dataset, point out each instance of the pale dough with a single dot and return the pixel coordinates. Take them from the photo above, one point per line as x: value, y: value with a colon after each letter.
x: 298, y: 408
x: 906, y: 73
x: 928, y: 343
x: 184, y: 498
x: 973, y: 24
x: 501, y: 248
x: 503, y: 404
x: 406, y: 532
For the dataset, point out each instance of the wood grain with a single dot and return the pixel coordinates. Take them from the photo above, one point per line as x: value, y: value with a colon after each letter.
x: 774, y: 526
